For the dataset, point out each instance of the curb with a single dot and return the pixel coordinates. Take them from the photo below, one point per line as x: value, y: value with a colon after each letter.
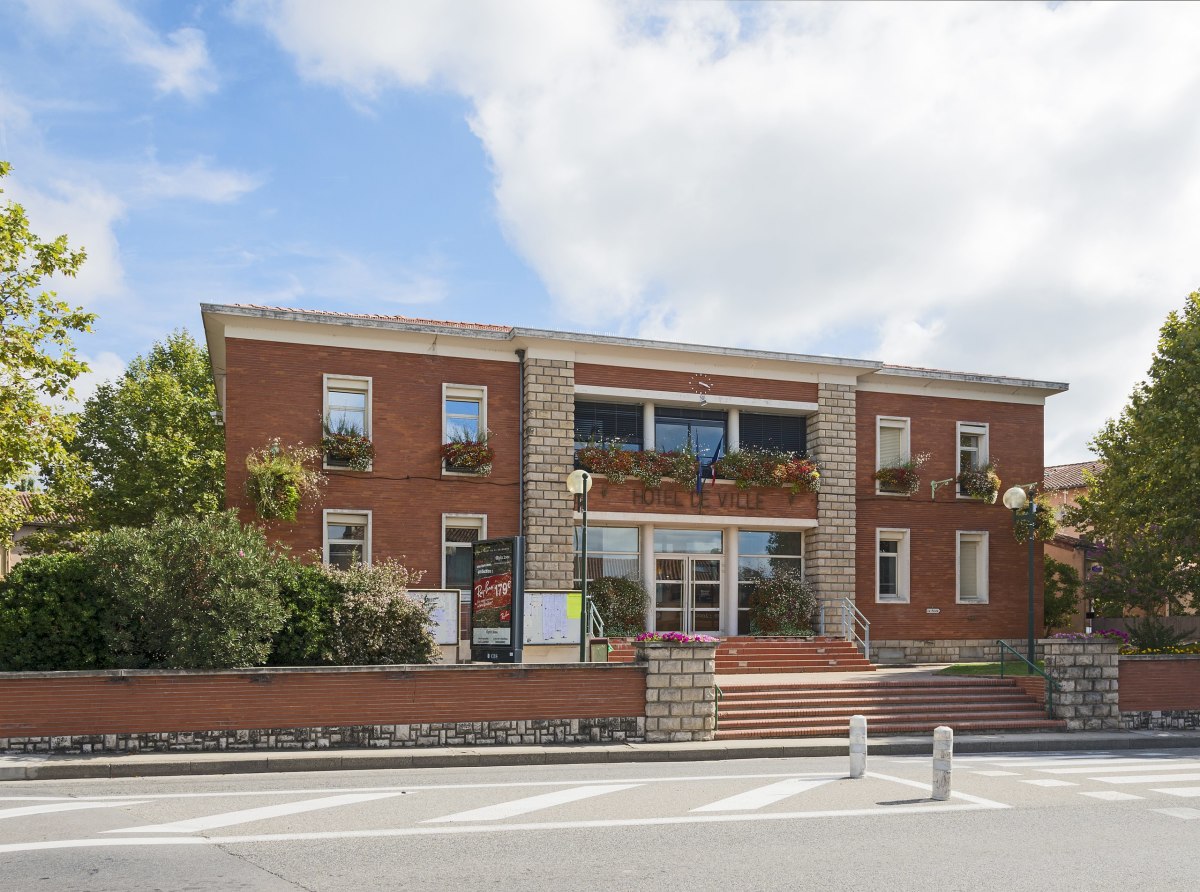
x: 51, y: 767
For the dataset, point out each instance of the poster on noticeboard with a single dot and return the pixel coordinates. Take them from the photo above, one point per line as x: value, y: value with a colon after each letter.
x: 497, y: 589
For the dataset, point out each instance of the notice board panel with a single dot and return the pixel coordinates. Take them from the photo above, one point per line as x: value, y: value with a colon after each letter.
x: 552, y: 616
x: 443, y: 611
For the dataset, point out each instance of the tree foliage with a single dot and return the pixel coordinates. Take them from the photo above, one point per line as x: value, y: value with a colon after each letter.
x: 1144, y: 508
x: 621, y: 604
x: 1061, y: 598
x: 37, y: 359
x: 147, y: 443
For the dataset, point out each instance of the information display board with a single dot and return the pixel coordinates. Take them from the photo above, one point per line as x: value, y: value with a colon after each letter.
x: 497, y: 585
x: 552, y: 616
x: 443, y: 611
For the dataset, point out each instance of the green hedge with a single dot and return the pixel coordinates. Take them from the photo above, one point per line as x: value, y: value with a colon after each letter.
x: 50, y: 610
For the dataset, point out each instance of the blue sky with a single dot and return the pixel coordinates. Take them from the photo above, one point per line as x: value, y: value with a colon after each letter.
x: 1005, y: 188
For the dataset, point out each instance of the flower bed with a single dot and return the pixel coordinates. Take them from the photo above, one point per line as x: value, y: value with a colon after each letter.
x: 1103, y: 635
x: 768, y: 467
x: 674, y: 638
x: 647, y: 466
x: 470, y: 455
x: 903, y: 478
x: 980, y: 483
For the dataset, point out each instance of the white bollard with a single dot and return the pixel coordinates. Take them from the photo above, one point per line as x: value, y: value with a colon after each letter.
x: 858, y: 745
x: 943, y: 755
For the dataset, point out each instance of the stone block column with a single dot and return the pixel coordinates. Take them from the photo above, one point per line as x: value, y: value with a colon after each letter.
x: 548, y: 454
x: 681, y: 698
x: 1086, y: 672
x: 830, y: 557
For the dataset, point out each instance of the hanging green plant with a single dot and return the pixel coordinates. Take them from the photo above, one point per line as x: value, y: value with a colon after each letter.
x: 469, y: 454
x: 279, y: 479
x: 1045, y: 524
x: 343, y: 442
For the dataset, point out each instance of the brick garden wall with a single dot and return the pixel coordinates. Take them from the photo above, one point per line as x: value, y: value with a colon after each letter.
x: 382, y: 706
x: 1159, y: 682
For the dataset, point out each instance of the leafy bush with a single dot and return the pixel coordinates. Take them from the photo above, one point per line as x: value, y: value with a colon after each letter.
x: 1152, y: 633
x: 1061, y: 593
x: 189, y: 593
x: 50, y: 607
x: 621, y: 604
x: 376, y: 622
x: 311, y: 598
x: 279, y: 479
x: 782, y: 604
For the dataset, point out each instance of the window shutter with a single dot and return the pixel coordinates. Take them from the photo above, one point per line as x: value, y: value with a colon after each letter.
x: 891, y: 446
x: 968, y: 570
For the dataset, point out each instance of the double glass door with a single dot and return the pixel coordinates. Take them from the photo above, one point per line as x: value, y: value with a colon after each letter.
x: 687, y: 593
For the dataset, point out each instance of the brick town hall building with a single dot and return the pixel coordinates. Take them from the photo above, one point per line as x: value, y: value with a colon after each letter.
x: 938, y: 574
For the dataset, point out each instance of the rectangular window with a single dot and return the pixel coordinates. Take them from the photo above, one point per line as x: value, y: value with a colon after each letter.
x: 346, y: 410
x: 612, y: 551
x: 464, y: 416
x: 598, y: 423
x: 761, y: 554
x: 785, y: 433
x: 972, y: 447
x: 972, y: 568
x: 459, y: 533
x: 891, y: 566
x: 704, y: 430
x: 891, y: 445
x: 347, y: 538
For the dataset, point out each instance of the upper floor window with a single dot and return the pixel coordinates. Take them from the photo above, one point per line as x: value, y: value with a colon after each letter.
x: 783, y: 433
x: 703, y: 430
x: 597, y: 423
x: 347, y: 538
x: 891, y: 445
x: 891, y: 566
x: 972, y: 568
x: 464, y: 417
x: 347, y: 411
x: 972, y: 446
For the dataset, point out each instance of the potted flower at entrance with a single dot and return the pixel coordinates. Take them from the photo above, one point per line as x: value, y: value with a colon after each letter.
x: 980, y: 483
x: 469, y: 455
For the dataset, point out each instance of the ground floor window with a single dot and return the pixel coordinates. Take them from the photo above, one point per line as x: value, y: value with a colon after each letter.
x: 459, y: 533
x: 761, y: 554
x: 347, y: 538
x: 612, y: 551
x: 891, y: 566
x: 972, y: 568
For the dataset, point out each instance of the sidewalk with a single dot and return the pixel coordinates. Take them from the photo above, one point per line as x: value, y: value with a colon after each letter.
x: 63, y: 767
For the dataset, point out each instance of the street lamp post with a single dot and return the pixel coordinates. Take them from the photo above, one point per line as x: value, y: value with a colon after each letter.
x: 578, y: 484
x: 1022, y: 506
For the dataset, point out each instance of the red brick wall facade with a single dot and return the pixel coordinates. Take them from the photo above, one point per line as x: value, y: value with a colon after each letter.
x: 106, y: 703
x: 276, y: 390
x: 1159, y: 683
x: 686, y: 383
x: 1015, y: 445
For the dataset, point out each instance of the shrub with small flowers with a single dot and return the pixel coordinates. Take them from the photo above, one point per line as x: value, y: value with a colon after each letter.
x: 1103, y: 634
x: 1173, y: 650
x: 675, y: 638
x: 980, y: 483
x: 902, y: 477
x: 769, y: 467
x: 469, y: 454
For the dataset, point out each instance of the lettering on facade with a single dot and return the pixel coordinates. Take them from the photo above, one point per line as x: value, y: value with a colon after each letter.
x: 699, y: 501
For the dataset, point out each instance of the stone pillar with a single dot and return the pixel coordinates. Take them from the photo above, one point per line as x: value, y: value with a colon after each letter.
x: 1086, y: 672
x: 831, y: 441
x: 681, y: 698
x: 548, y: 457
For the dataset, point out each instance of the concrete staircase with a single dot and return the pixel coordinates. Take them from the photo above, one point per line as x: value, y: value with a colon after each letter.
x: 892, y: 707
x: 744, y: 654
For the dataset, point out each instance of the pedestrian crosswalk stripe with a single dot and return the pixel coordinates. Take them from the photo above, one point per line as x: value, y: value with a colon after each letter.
x: 1149, y: 778
x: 764, y: 796
x: 1185, y: 792
x: 1049, y: 782
x: 1131, y: 765
x: 245, y: 816
x: 996, y: 773
x: 1111, y: 795
x: 58, y: 806
x: 1188, y: 814
x: 530, y: 804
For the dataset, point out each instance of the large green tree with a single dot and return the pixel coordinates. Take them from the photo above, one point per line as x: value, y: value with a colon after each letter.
x: 147, y: 443
x: 1144, y: 509
x: 37, y: 360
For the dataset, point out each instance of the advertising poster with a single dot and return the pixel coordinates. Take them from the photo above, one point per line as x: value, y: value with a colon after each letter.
x: 494, y: 590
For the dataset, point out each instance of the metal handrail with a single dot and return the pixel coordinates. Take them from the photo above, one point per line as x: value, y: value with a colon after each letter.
x: 850, y: 619
x: 717, y: 708
x: 595, y: 623
x: 1051, y: 682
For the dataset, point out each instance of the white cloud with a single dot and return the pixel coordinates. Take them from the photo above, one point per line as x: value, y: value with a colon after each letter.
x: 197, y: 180
x: 104, y: 368
x: 178, y: 61
x: 994, y: 187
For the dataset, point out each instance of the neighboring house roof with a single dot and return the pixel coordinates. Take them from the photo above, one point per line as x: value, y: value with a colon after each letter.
x: 26, y: 501
x: 1070, y: 476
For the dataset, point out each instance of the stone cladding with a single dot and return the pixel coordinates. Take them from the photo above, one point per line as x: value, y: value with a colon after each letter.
x: 1086, y: 672
x: 831, y: 441
x: 548, y: 457
x: 681, y: 695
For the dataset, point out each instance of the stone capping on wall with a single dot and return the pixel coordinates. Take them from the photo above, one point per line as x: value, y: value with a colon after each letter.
x: 681, y: 696
x: 1085, y: 670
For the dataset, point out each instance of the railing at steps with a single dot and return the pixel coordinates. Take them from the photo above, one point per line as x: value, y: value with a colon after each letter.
x: 849, y: 620
x: 1051, y: 684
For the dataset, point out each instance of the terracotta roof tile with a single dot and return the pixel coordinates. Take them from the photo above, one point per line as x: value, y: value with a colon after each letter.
x: 477, y: 326
x: 1070, y: 476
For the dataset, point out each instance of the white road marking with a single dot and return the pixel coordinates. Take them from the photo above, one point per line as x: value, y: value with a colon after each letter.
x: 109, y: 842
x: 768, y: 795
x: 1149, y: 778
x: 1185, y: 792
x: 228, y: 819
x: 1042, y: 761
x: 1111, y: 795
x: 1187, y: 814
x: 1049, y: 782
x: 996, y: 773
x: 1126, y: 765
x: 73, y: 805
x: 977, y: 800
x: 529, y: 804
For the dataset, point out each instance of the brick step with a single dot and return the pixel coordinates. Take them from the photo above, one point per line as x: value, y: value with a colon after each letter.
x: 864, y: 692
x: 786, y: 659
x: 769, y: 670
x: 871, y: 685
x: 851, y: 705
x: 883, y: 714
x: 840, y: 730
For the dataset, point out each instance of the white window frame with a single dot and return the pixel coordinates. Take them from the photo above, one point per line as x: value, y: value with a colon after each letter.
x: 472, y: 392
x: 905, y: 425
x: 982, y: 455
x: 461, y: 521
x: 325, y: 532
x: 981, y: 566
x: 903, y: 592
x: 352, y: 383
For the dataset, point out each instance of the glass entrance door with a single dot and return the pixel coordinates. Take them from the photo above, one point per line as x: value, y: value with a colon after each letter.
x: 687, y: 594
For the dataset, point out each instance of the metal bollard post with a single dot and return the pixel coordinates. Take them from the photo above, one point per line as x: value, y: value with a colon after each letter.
x: 858, y: 745
x: 943, y: 754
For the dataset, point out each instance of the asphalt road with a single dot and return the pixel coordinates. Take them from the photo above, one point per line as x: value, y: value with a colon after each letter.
x: 1051, y: 821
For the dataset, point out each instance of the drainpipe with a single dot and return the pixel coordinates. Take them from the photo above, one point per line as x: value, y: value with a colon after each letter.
x: 520, y: 442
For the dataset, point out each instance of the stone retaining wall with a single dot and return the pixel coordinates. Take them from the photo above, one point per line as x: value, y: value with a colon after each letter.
x: 964, y: 650
x: 681, y: 694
